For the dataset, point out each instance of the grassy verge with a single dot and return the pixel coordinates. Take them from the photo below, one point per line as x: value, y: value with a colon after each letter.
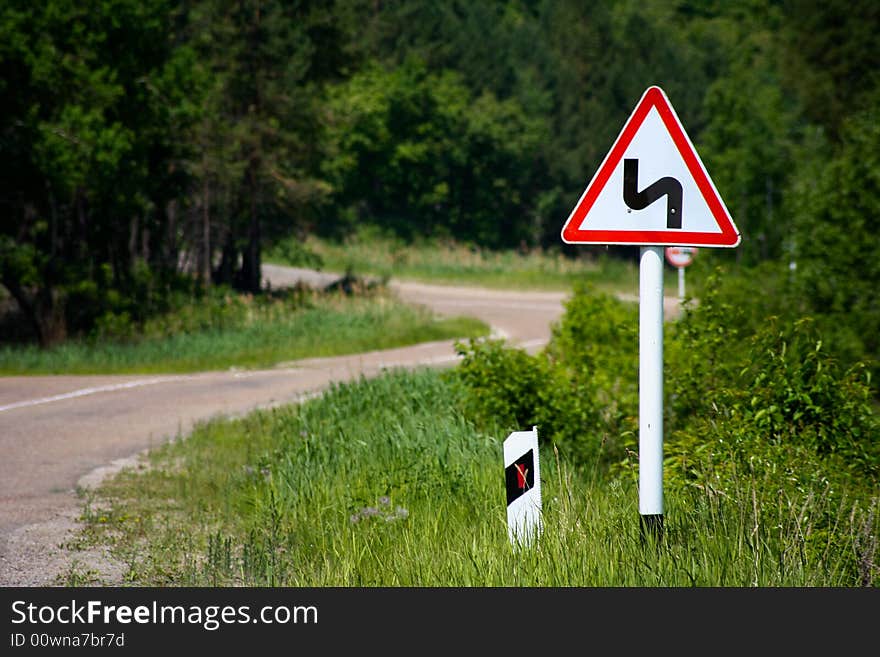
x: 246, y: 333
x: 453, y: 263
x: 383, y: 483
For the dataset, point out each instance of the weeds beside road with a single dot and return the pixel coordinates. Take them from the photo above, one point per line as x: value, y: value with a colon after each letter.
x: 225, y: 330
x: 452, y: 263
x: 384, y: 483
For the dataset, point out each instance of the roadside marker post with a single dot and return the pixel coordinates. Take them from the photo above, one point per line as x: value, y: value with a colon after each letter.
x: 651, y: 160
x: 522, y: 478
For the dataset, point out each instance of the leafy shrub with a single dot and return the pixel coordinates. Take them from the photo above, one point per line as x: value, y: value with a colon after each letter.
x: 762, y: 418
x: 597, y: 340
x: 782, y: 395
x: 581, y: 392
x: 756, y: 358
x: 509, y: 389
x: 504, y: 384
x: 763, y: 414
x: 294, y: 252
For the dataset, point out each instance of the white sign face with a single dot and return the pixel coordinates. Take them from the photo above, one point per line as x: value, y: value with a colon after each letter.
x: 522, y: 475
x: 680, y: 256
x: 652, y: 188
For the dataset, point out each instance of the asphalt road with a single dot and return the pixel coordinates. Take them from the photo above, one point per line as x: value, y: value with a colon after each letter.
x: 58, y: 433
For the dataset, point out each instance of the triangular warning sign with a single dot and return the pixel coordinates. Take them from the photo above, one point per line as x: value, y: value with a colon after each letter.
x: 652, y: 188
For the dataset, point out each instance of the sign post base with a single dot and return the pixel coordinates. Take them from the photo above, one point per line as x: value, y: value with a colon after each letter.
x: 652, y: 528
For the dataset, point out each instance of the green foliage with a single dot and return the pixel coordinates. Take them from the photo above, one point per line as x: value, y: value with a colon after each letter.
x: 830, y: 61
x: 777, y: 392
x: 417, y: 151
x: 705, y: 347
x: 296, y: 253
x: 255, y: 146
x: 185, y: 137
x: 749, y: 141
x: 757, y: 401
x: 797, y: 393
x: 85, y: 169
x: 355, y: 488
x: 581, y: 392
x: 596, y: 334
x: 756, y: 393
x: 839, y: 219
x: 224, y: 329
x: 505, y: 384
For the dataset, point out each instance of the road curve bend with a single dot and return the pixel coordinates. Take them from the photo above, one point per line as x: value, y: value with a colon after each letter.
x: 61, y: 433
x: 58, y: 433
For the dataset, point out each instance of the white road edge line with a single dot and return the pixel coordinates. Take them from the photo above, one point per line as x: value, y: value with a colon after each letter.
x: 528, y: 344
x: 82, y: 392
x: 538, y: 342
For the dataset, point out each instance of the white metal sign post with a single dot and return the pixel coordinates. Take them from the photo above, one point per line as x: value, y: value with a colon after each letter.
x: 651, y: 190
x: 681, y: 294
x: 651, y: 388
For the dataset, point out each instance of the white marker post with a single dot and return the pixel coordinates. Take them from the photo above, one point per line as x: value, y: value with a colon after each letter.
x: 522, y: 474
x: 651, y: 389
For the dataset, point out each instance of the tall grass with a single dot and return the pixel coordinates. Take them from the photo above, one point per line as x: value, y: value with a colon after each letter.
x: 447, y: 261
x: 383, y: 483
x: 244, y: 333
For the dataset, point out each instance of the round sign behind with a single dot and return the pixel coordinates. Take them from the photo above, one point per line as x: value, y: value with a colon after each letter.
x: 680, y: 256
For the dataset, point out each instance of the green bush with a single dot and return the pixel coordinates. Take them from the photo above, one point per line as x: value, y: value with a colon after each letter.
x: 597, y: 341
x: 294, y: 252
x: 762, y: 413
x: 504, y: 383
x: 781, y: 400
x: 581, y: 392
x: 509, y: 389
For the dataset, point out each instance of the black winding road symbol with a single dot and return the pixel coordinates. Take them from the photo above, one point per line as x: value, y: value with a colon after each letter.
x: 639, y: 200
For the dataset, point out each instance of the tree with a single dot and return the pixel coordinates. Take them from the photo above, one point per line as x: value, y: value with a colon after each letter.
x: 831, y: 59
x: 262, y: 65
x: 415, y: 151
x: 838, y: 210
x: 87, y: 149
x: 752, y: 133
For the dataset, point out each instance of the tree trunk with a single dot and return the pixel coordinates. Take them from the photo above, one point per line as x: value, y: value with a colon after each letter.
x: 225, y: 273
x: 44, y: 310
x: 50, y: 318
x: 205, y: 251
x: 252, y: 256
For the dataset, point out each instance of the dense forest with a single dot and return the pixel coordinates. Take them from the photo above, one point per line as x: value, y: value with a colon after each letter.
x: 147, y: 144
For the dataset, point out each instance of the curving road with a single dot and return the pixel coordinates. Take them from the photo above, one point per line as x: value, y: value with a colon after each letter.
x: 58, y: 433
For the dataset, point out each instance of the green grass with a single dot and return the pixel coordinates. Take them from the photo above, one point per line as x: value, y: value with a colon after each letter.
x: 383, y: 483
x: 245, y: 334
x: 454, y: 263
